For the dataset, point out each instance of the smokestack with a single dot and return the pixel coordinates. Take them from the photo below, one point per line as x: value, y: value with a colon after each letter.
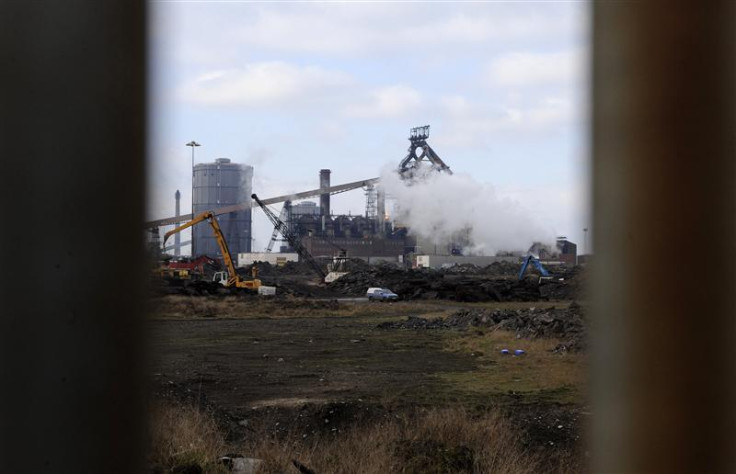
x: 324, y: 198
x: 177, y: 236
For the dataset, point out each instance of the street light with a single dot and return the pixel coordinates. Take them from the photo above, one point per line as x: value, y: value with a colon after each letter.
x: 193, y: 144
x: 585, y: 240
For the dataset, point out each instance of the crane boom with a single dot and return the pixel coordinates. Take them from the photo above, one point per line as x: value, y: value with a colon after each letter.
x: 282, y: 217
x: 233, y: 277
x: 291, y: 237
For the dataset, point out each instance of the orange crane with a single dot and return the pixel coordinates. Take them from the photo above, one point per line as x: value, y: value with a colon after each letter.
x: 233, y: 279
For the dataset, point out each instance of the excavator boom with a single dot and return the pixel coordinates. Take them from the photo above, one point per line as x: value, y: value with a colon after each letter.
x: 537, y: 264
x: 233, y: 277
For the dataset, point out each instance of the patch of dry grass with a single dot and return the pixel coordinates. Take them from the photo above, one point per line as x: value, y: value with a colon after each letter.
x: 252, y: 307
x: 561, y: 376
x: 236, y: 307
x: 184, y: 436
x: 432, y: 442
x: 437, y: 441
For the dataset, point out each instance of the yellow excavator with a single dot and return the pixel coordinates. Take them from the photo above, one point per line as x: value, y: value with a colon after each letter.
x: 233, y: 279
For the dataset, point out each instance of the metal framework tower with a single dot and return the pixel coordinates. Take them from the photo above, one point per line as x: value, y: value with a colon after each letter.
x: 420, y: 152
x: 381, y: 210
x: 371, y: 199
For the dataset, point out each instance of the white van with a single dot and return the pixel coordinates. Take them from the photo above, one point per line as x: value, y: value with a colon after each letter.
x: 381, y: 294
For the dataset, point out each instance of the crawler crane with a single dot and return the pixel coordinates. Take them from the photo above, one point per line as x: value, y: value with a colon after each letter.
x: 291, y: 237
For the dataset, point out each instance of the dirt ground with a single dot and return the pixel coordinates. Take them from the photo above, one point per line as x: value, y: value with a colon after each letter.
x: 321, y: 367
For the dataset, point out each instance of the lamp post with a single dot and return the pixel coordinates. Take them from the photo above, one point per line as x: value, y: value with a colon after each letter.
x: 193, y: 144
x: 585, y: 240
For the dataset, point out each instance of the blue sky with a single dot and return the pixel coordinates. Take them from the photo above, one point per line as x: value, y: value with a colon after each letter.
x: 291, y: 88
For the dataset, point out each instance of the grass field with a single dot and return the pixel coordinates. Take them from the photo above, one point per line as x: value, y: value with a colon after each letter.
x: 260, y: 377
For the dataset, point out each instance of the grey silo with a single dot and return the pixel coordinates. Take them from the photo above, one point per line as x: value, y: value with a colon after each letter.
x: 216, y: 185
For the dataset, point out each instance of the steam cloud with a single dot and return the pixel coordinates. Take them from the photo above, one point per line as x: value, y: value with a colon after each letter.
x: 440, y: 207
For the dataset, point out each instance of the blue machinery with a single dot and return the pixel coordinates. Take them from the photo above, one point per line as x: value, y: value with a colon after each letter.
x: 537, y: 264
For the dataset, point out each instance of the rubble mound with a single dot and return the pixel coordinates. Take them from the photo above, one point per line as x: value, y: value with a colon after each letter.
x: 415, y: 322
x: 501, y: 269
x: 567, y: 324
x: 266, y: 269
x: 530, y: 323
x: 496, y: 282
x: 568, y: 284
x: 159, y: 287
x: 424, y: 284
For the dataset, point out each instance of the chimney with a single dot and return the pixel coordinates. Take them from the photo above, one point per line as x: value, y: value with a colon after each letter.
x: 324, y: 198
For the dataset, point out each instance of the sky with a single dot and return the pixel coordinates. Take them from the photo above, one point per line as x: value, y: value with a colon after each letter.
x: 291, y: 88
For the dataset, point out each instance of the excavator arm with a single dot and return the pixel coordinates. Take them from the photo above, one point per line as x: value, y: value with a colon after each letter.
x: 197, y: 219
x: 209, y: 216
x: 537, y: 264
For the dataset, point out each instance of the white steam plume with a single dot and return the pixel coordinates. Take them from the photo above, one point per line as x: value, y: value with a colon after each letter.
x: 439, y: 206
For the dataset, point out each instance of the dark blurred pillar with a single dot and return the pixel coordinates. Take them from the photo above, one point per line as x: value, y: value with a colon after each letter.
x: 665, y: 203
x: 73, y: 122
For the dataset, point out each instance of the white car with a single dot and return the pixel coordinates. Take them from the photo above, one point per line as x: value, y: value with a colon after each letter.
x: 381, y: 294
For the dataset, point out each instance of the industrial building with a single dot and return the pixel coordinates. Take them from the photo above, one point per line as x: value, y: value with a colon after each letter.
x: 564, y: 252
x: 249, y: 258
x: 567, y: 252
x: 443, y: 261
x: 225, y: 188
x: 368, y: 236
x: 304, y: 208
x: 218, y: 185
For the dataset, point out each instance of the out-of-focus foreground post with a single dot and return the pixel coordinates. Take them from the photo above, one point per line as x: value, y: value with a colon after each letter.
x: 72, y: 97
x: 664, y: 204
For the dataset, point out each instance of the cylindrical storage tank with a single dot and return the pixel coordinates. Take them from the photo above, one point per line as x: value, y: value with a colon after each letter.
x: 217, y: 185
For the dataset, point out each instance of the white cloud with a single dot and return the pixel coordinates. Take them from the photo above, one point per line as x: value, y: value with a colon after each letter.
x: 475, y: 124
x: 386, y: 102
x: 361, y: 28
x: 210, y: 76
x: 455, y: 105
x: 552, y: 111
x: 331, y: 130
x: 537, y: 69
x: 263, y: 84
